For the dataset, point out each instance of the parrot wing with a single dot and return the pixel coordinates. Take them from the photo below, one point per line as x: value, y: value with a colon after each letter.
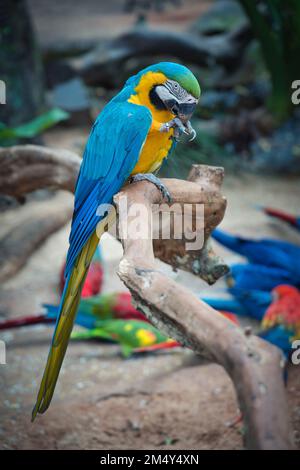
x: 112, y: 151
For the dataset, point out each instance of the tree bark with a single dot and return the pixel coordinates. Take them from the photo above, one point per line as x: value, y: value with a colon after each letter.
x: 25, y: 168
x: 27, y: 227
x: 203, y: 262
x: 254, y: 366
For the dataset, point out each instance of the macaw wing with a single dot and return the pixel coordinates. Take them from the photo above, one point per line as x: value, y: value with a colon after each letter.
x: 112, y: 151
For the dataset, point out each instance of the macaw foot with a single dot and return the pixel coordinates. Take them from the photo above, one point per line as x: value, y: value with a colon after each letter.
x: 179, y: 128
x: 191, y: 131
x: 153, y: 179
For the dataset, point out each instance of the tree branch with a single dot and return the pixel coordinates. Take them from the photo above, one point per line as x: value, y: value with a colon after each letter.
x: 98, y: 67
x: 203, y: 262
x: 25, y: 168
x: 254, y: 366
x: 27, y: 227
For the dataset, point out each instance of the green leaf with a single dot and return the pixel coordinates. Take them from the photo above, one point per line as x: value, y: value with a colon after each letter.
x: 34, y: 127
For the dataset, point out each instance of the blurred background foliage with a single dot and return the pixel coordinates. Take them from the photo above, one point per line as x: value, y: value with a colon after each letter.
x: 244, y: 52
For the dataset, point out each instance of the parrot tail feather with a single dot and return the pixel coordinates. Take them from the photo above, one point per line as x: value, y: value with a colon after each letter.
x: 64, y: 324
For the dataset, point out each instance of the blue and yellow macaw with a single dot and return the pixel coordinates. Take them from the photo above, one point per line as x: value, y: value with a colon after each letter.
x: 131, y: 137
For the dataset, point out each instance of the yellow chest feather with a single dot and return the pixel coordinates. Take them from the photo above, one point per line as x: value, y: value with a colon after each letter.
x: 157, y: 144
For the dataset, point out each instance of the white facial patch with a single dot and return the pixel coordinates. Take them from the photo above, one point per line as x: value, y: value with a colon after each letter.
x: 181, y: 95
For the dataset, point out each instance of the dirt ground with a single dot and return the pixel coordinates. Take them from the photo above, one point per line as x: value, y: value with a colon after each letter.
x: 168, y: 400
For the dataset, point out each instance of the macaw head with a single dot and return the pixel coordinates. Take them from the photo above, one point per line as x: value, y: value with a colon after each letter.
x: 172, y: 87
x: 284, y: 290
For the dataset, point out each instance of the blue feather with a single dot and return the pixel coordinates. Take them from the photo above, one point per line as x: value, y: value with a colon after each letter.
x: 267, y: 252
x: 254, y: 302
x: 279, y: 336
x: 228, y: 305
x: 110, y: 155
x: 258, y: 277
x: 85, y: 320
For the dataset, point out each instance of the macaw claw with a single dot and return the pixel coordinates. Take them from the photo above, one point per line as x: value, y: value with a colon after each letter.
x: 179, y: 128
x: 194, y: 134
x: 156, y: 181
x: 175, y: 124
x: 191, y: 131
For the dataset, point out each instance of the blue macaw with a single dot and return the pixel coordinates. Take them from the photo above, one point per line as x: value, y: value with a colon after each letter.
x: 251, y: 303
x: 267, y: 252
x: 225, y: 304
x: 82, y: 319
x: 255, y: 302
x: 131, y: 137
x: 258, y: 277
x: 278, y: 336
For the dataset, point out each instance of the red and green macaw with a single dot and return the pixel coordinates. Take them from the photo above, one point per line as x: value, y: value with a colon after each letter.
x: 281, y: 323
x: 131, y: 137
x: 112, y: 317
x: 131, y: 335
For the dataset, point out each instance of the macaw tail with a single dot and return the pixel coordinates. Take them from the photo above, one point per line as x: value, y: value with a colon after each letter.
x: 229, y: 305
x: 289, y: 218
x: 64, y: 324
x: 230, y: 241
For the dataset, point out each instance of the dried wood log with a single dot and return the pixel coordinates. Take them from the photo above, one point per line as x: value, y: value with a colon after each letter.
x: 27, y: 227
x: 98, y: 67
x: 25, y: 168
x: 254, y: 366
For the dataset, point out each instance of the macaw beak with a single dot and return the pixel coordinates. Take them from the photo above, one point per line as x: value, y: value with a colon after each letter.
x: 184, y: 110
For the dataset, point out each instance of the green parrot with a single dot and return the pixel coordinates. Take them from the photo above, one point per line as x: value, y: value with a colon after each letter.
x: 132, y: 335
